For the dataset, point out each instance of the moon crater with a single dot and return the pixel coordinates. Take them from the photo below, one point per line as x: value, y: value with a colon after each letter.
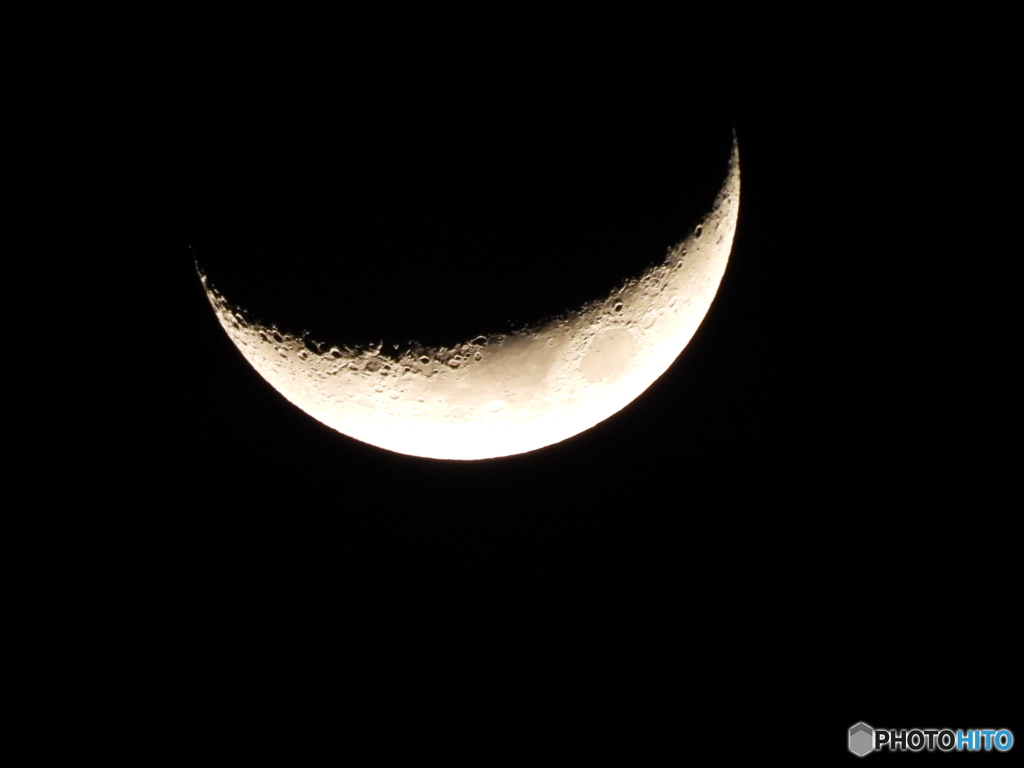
x: 608, y: 356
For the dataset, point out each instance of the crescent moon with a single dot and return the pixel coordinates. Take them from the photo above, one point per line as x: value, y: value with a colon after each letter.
x: 503, y: 394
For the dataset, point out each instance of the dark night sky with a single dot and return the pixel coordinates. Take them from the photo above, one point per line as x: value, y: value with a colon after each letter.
x: 811, y: 496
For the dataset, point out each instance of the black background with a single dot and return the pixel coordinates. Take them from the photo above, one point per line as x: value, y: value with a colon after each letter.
x: 807, y: 520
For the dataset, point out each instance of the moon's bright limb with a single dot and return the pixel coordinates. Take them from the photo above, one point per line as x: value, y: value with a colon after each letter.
x: 503, y: 394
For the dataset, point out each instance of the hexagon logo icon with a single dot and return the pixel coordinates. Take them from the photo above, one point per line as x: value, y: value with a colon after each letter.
x: 862, y: 739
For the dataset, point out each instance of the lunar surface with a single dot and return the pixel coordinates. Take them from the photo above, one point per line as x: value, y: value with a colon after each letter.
x: 503, y: 394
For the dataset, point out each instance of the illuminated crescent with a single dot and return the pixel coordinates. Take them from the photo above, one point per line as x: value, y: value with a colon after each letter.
x: 502, y: 394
